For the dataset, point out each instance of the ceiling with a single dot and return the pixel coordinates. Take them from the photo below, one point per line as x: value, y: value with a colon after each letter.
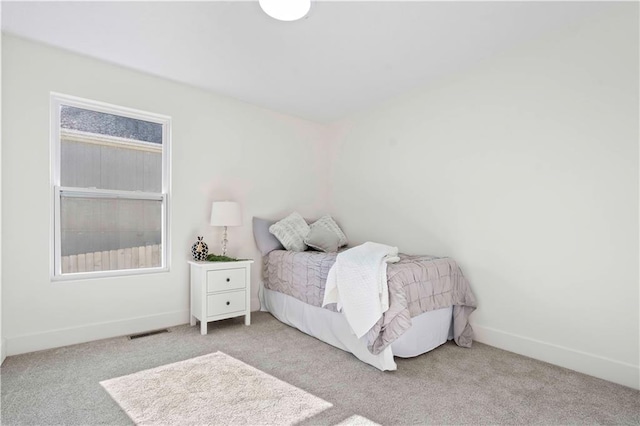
x: 342, y: 58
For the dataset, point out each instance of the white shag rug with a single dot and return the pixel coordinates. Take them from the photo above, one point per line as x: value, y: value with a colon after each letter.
x: 213, y: 389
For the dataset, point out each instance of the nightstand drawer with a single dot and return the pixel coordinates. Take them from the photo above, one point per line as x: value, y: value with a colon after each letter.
x: 225, y: 303
x: 226, y: 279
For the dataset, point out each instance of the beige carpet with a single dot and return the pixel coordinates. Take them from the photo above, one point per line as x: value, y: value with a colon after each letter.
x: 447, y: 386
x: 211, y: 389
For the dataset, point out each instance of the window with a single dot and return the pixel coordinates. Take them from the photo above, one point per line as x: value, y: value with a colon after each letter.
x: 110, y: 188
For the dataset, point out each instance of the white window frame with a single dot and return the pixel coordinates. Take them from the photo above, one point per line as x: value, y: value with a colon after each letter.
x: 56, y: 101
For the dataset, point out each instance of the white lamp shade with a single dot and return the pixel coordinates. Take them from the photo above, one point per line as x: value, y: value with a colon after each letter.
x: 286, y: 10
x: 225, y: 213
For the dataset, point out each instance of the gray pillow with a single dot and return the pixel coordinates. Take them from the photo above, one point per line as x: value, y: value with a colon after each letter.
x: 265, y: 240
x: 329, y: 224
x: 291, y: 232
x: 322, y: 239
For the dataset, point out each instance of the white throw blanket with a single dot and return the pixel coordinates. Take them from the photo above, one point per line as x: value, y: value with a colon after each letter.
x: 357, y: 283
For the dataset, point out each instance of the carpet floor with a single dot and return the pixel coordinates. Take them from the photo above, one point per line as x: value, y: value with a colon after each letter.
x: 449, y: 385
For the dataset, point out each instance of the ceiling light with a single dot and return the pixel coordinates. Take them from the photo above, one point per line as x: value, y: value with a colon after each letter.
x: 286, y: 10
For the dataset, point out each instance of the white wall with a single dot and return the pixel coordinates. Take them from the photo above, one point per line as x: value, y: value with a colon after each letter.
x: 3, y: 345
x: 525, y: 170
x: 221, y: 149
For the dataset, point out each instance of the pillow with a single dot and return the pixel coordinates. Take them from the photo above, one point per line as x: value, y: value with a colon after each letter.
x: 291, y: 232
x: 328, y: 223
x: 321, y: 239
x: 265, y: 240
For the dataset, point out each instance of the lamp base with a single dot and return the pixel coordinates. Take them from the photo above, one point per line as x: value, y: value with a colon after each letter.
x: 224, y: 242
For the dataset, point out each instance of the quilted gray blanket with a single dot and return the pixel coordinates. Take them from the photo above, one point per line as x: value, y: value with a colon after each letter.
x: 417, y: 284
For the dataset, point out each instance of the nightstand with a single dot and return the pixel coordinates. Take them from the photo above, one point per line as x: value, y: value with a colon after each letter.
x: 220, y: 290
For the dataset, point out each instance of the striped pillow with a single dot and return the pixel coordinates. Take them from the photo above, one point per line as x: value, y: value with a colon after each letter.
x: 291, y: 232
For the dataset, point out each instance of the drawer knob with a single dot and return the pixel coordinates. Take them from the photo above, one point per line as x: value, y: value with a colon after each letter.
x: 228, y: 303
x: 228, y: 279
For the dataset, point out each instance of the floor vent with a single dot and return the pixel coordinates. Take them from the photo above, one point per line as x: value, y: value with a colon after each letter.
x: 148, y: 333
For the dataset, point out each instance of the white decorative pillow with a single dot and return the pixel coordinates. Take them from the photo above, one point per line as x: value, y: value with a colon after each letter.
x: 291, y: 232
x: 327, y: 222
x: 321, y: 239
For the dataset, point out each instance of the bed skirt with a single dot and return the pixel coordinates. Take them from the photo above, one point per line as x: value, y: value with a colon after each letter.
x: 428, y: 330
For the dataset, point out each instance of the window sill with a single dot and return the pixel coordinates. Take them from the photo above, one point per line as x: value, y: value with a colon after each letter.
x: 123, y: 273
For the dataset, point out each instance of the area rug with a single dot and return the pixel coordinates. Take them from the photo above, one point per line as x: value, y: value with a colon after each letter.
x: 213, y: 389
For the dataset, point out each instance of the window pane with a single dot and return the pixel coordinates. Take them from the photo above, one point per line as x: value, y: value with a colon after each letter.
x: 87, y: 164
x: 108, y: 151
x: 109, y: 124
x: 100, y: 234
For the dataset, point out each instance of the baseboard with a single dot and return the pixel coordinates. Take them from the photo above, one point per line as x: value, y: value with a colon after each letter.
x: 3, y: 350
x: 70, y: 336
x: 583, y: 362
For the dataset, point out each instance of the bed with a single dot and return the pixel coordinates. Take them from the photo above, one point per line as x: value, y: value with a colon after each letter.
x: 429, y: 303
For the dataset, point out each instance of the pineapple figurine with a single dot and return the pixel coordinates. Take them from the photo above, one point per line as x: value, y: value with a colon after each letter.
x: 199, y: 250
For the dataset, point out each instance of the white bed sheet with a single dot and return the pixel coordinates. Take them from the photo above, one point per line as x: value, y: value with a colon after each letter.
x: 428, y: 331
